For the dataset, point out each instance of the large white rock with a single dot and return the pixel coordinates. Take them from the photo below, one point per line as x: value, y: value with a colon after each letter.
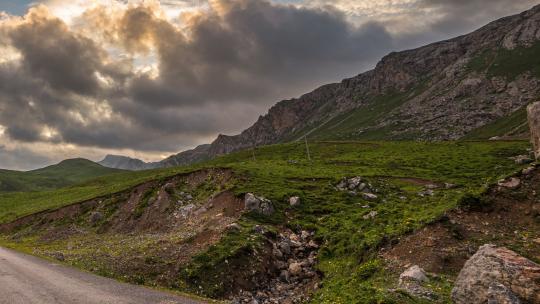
x: 493, y: 273
x: 533, y: 115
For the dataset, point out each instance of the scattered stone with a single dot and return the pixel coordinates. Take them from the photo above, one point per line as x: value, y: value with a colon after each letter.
x: 449, y: 186
x: 189, y: 197
x: 259, y: 229
x: 528, y: 170
x: 168, y: 186
x: 284, y: 276
x: 295, y: 269
x: 431, y: 186
x: 258, y: 204
x: 369, y: 196
x: 95, y: 217
x: 58, y: 256
x: 233, y: 227
x: 427, y: 192
x: 523, y: 159
x: 294, y: 257
x: 370, y: 215
x: 187, y: 210
x: 294, y: 201
x: 533, y: 116
x: 414, y: 273
x: 411, y: 281
x: 512, y: 183
x: 492, y: 265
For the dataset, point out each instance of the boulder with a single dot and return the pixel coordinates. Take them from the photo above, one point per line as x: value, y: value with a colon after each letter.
x: 533, y: 116
x: 528, y: 170
x: 187, y: 210
x: 523, y: 159
x: 370, y: 215
x: 512, y: 183
x: 411, y: 281
x: 294, y: 201
x: 369, y: 196
x: 233, y: 227
x: 258, y: 204
x: 496, y: 273
x: 354, y: 182
x: 413, y: 273
x: 295, y: 269
x: 95, y: 217
x: 500, y: 294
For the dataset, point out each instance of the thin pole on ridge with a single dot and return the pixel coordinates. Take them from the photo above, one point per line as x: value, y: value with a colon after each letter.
x: 307, y: 148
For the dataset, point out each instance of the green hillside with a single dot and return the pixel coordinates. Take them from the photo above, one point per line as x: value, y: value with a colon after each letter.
x: 65, y: 173
x: 352, y: 272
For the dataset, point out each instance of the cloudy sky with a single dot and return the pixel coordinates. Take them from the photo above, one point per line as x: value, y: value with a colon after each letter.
x: 84, y: 78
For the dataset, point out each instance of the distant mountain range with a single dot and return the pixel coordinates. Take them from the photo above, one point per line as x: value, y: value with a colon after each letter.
x: 475, y: 86
x: 65, y: 173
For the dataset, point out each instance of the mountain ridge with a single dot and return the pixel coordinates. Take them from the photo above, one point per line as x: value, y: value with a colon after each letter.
x: 65, y: 173
x: 441, y: 91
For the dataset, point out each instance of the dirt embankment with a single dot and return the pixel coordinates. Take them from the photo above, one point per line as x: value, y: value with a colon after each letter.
x: 503, y: 216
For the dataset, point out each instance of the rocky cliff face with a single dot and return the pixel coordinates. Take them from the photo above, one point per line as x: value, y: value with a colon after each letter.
x: 444, y: 91
x: 533, y: 114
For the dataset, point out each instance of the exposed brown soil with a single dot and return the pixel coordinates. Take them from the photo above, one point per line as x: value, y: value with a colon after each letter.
x: 504, y: 217
x: 149, y: 231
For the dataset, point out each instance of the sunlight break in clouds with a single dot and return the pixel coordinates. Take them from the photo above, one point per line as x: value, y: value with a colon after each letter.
x: 151, y: 78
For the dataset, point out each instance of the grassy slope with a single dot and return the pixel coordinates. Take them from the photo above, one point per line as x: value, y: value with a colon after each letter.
x: 67, y: 172
x: 353, y: 274
x: 511, y: 125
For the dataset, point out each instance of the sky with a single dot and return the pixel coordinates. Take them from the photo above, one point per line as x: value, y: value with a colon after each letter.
x: 149, y: 78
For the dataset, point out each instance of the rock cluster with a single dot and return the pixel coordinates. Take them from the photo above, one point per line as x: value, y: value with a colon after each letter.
x: 411, y: 281
x: 523, y: 159
x: 497, y: 275
x: 357, y: 185
x: 294, y: 257
x: 533, y: 115
x: 258, y: 204
x: 511, y: 183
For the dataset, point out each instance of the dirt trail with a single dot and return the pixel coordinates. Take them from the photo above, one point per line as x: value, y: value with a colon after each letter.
x: 30, y: 280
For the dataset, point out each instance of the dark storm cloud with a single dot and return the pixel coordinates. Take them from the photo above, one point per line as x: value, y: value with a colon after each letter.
x: 215, y: 74
x: 460, y: 16
x: 21, y: 159
x: 252, y: 51
x: 234, y: 62
x: 53, y: 53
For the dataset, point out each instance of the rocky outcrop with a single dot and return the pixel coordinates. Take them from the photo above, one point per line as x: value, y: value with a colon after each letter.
x: 411, y: 281
x: 497, y: 273
x: 533, y: 115
x: 453, y: 95
x: 258, y: 204
x: 293, y: 276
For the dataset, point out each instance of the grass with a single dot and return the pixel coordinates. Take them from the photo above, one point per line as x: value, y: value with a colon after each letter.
x: 349, y: 243
x: 508, y: 63
x: 15, y: 205
x: 67, y: 172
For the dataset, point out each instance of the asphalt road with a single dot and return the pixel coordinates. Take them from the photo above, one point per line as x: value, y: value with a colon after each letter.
x: 25, y: 279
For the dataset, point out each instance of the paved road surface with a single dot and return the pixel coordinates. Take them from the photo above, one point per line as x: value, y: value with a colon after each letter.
x: 26, y: 279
